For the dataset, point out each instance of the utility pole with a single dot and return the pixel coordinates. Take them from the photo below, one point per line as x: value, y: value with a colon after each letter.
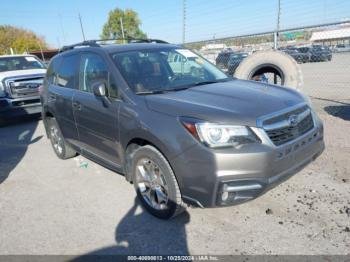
x: 58, y: 42
x: 122, y: 27
x: 276, y: 34
x: 81, y: 26
x: 63, y: 33
x: 183, y: 21
x: 41, y: 51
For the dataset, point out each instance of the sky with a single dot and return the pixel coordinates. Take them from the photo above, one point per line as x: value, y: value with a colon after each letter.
x: 57, y: 20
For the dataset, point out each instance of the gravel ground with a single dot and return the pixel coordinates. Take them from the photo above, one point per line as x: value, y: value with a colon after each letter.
x: 75, y: 207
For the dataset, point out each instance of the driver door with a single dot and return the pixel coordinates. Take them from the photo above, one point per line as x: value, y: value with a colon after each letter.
x: 97, y: 117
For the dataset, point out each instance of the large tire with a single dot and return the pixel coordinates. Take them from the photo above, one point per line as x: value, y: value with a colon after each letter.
x: 290, y: 69
x: 59, y: 145
x: 168, y: 206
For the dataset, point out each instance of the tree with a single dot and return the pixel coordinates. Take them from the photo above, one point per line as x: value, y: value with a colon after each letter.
x: 20, y: 40
x: 131, y: 25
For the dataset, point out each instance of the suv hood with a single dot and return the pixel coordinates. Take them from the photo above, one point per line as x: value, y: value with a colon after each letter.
x: 235, y: 102
x: 18, y: 73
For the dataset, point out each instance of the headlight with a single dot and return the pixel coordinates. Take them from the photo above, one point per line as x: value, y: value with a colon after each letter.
x: 217, y: 135
x: 2, y: 90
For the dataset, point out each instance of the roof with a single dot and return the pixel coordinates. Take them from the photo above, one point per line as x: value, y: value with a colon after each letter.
x: 331, y: 34
x: 44, y: 51
x: 114, y: 48
x: 136, y: 46
x: 130, y: 45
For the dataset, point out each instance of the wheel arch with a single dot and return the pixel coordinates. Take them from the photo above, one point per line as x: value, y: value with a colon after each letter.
x: 137, y: 142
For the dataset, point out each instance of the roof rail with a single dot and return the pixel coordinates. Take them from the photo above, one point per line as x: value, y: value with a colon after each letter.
x: 95, y: 43
x: 132, y: 40
x: 91, y: 43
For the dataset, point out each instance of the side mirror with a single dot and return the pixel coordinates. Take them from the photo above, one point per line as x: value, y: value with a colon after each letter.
x: 99, y: 89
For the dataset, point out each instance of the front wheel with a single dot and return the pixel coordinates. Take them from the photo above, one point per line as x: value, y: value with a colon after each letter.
x: 155, y: 183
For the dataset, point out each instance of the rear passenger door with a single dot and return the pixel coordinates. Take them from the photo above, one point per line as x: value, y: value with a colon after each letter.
x: 97, y: 117
x: 61, y: 91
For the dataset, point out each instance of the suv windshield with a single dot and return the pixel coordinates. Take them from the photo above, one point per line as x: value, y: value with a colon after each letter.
x: 19, y: 63
x: 162, y: 70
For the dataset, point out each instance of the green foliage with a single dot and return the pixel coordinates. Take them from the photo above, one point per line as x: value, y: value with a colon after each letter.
x: 19, y: 39
x: 131, y: 23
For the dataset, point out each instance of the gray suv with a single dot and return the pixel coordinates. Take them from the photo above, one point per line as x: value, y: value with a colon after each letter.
x: 180, y: 136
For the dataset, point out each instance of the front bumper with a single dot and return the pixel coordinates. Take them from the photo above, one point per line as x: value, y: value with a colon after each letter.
x: 205, y: 174
x: 10, y: 108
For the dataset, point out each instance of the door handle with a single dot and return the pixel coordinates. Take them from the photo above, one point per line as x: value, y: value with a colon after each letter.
x: 77, y: 105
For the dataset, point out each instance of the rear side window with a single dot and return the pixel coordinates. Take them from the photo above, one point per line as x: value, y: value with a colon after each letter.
x: 52, y: 70
x: 67, y: 71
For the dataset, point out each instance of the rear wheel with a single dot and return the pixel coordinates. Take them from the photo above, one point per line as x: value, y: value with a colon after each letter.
x: 155, y: 183
x: 58, y: 143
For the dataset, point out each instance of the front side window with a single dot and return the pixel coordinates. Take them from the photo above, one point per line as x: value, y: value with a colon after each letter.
x: 165, y: 69
x: 94, y: 70
x: 20, y: 63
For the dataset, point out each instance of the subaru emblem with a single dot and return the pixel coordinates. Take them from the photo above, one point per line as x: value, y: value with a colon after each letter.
x: 293, y: 120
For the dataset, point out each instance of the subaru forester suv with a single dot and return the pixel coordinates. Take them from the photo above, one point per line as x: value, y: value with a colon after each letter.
x: 193, y: 136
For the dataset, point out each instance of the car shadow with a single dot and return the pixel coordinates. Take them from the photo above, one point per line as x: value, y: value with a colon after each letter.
x: 15, y: 137
x: 342, y: 111
x: 139, y: 233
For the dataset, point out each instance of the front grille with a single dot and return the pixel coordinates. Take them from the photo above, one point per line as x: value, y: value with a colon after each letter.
x: 26, y: 102
x: 24, y: 87
x: 282, y: 135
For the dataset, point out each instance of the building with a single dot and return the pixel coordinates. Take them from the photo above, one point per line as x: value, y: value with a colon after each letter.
x: 45, y: 55
x: 332, y: 36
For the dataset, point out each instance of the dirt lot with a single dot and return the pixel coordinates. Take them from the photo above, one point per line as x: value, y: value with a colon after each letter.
x: 50, y: 206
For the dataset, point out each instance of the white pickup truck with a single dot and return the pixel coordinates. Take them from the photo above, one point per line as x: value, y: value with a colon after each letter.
x: 20, y: 78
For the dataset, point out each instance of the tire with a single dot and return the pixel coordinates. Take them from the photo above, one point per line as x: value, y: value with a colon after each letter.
x: 59, y: 145
x: 144, y: 161
x: 283, y: 62
x: 2, y: 122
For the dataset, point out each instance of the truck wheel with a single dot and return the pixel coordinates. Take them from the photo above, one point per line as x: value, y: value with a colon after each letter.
x: 59, y: 145
x: 277, y: 67
x: 155, y: 183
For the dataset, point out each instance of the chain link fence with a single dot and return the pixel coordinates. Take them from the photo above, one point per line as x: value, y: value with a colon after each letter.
x: 322, y: 53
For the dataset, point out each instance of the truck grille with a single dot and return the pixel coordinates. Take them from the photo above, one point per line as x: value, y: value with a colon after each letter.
x: 289, y: 126
x: 24, y: 87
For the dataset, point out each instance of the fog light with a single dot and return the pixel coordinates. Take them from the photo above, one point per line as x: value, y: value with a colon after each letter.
x: 224, y: 196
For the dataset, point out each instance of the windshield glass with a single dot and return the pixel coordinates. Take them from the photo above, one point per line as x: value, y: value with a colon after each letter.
x: 19, y: 63
x: 165, y: 69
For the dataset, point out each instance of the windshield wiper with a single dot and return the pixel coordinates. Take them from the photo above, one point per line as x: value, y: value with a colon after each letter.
x: 210, y: 82
x: 161, y: 91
